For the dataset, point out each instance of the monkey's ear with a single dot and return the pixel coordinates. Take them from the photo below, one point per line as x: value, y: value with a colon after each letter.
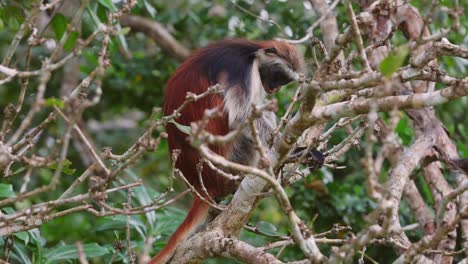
x: 271, y: 51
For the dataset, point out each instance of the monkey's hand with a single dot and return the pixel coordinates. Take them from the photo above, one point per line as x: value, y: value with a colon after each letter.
x: 314, y: 159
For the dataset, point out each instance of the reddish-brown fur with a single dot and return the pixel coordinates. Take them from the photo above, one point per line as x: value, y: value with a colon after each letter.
x: 190, y: 80
x: 192, y: 76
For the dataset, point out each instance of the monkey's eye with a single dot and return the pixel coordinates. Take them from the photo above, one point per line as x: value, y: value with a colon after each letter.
x: 271, y: 50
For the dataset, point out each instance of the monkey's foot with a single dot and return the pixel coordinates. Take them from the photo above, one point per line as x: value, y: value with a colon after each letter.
x: 314, y: 159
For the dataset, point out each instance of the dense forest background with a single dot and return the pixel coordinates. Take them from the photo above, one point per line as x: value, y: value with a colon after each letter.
x: 117, y: 54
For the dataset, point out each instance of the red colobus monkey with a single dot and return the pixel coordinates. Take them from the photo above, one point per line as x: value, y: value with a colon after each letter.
x: 248, y: 70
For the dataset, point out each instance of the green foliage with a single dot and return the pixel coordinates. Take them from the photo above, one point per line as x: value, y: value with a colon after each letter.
x: 71, y: 41
x: 404, y: 130
x: 54, y: 102
x: 59, y: 24
x: 6, y: 190
x: 66, y: 252
x: 108, y: 4
x: 182, y: 128
x: 268, y: 229
x: 66, y: 167
x: 394, y: 61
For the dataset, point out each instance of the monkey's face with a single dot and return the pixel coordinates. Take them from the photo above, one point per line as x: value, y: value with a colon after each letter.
x: 277, y: 68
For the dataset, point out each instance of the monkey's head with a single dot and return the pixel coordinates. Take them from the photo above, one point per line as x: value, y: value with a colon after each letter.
x: 279, y: 63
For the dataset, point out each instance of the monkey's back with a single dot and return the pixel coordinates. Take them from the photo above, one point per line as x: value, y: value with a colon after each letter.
x: 200, y: 71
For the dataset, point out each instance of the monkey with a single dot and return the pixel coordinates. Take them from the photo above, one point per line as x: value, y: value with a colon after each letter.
x: 248, y: 71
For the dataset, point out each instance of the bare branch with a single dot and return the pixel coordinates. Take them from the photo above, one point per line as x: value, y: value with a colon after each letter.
x: 158, y: 33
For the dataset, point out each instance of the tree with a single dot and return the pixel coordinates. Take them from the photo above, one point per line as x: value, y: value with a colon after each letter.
x: 383, y: 99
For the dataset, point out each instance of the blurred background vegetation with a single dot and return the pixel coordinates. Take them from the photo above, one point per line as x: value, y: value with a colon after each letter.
x: 134, y: 85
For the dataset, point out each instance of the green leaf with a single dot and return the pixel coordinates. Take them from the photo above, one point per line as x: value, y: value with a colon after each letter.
x: 6, y: 190
x: 66, y: 167
x: 121, y: 36
x: 37, y: 238
x: 101, y: 13
x: 168, y: 220
x: 404, y: 131
x: 8, y: 210
x: 59, y: 25
x: 185, y: 129
x: 268, y: 229
x: 21, y: 253
x: 108, y: 4
x: 142, y: 194
x: 123, y: 31
x: 20, y: 169
x: 150, y: 8
x: 71, y: 41
x: 52, y: 101
x: 119, y: 222
x: 112, y: 223
x: 92, y: 13
x: 23, y: 236
x: 13, y: 16
x: 393, y: 61
x: 66, y: 252
x: 13, y: 24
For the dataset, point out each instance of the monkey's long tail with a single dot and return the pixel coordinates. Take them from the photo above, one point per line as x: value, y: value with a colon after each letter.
x: 195, y: 218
